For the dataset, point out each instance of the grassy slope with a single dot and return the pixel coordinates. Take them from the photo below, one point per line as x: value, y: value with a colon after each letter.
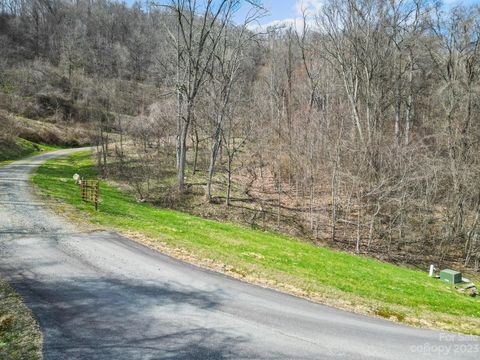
x: 20, y: 149
x: 20, y: 337
x: 355, y: 283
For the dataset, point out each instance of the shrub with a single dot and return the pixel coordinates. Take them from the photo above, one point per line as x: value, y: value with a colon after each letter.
x: 8, y: 130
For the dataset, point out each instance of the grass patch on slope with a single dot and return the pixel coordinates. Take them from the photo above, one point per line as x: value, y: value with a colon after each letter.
x: 21, y: 148
x: 20, y: 337
x: 350, y: 282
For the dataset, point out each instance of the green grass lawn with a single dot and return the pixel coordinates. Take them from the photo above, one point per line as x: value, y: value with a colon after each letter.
x: 21, y: 149
x: 335, y: 278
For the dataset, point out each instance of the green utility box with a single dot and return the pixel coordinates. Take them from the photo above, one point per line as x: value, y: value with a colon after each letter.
x: 451, y: 276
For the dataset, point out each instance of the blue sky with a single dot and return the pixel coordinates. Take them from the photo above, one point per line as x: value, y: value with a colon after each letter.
x: 280, y: 10
x: 290, y: 9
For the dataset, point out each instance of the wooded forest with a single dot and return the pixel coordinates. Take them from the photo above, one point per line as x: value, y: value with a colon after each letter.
x: 357, y: 127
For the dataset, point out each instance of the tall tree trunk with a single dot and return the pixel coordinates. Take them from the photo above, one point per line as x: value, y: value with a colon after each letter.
x: 229, y: 179
x: 196, y: 148
x: 213, y: 159
x: 182, y: 153
x: 409, y: 111
x: 334, y: 198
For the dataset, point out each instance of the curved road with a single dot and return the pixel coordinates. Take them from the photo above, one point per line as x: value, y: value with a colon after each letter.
x: 102, y: 296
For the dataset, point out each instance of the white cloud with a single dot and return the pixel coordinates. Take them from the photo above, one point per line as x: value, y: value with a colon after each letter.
x: 309, y: 6
x: 295, y: 23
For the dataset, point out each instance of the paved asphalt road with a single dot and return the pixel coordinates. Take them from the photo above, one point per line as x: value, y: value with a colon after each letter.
x: 102, y: 296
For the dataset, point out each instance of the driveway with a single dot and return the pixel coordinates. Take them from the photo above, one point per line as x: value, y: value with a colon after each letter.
x: 102, y: 296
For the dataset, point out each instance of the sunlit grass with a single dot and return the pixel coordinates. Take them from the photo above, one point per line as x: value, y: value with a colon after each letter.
x: 351, y: 281
x: 20, y: 337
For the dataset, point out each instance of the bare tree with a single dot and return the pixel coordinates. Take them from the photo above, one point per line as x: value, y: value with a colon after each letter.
x: 225, y: 74
x: 200, y: 26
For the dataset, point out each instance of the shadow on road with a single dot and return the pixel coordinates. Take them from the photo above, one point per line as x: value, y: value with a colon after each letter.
x: 120, y: 319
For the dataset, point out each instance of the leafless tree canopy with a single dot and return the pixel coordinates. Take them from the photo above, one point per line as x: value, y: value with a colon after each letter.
x: 357, y: 127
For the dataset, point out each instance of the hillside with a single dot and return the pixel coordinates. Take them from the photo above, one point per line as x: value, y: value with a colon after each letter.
x: 361, y: 137
x: 331, y: 154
